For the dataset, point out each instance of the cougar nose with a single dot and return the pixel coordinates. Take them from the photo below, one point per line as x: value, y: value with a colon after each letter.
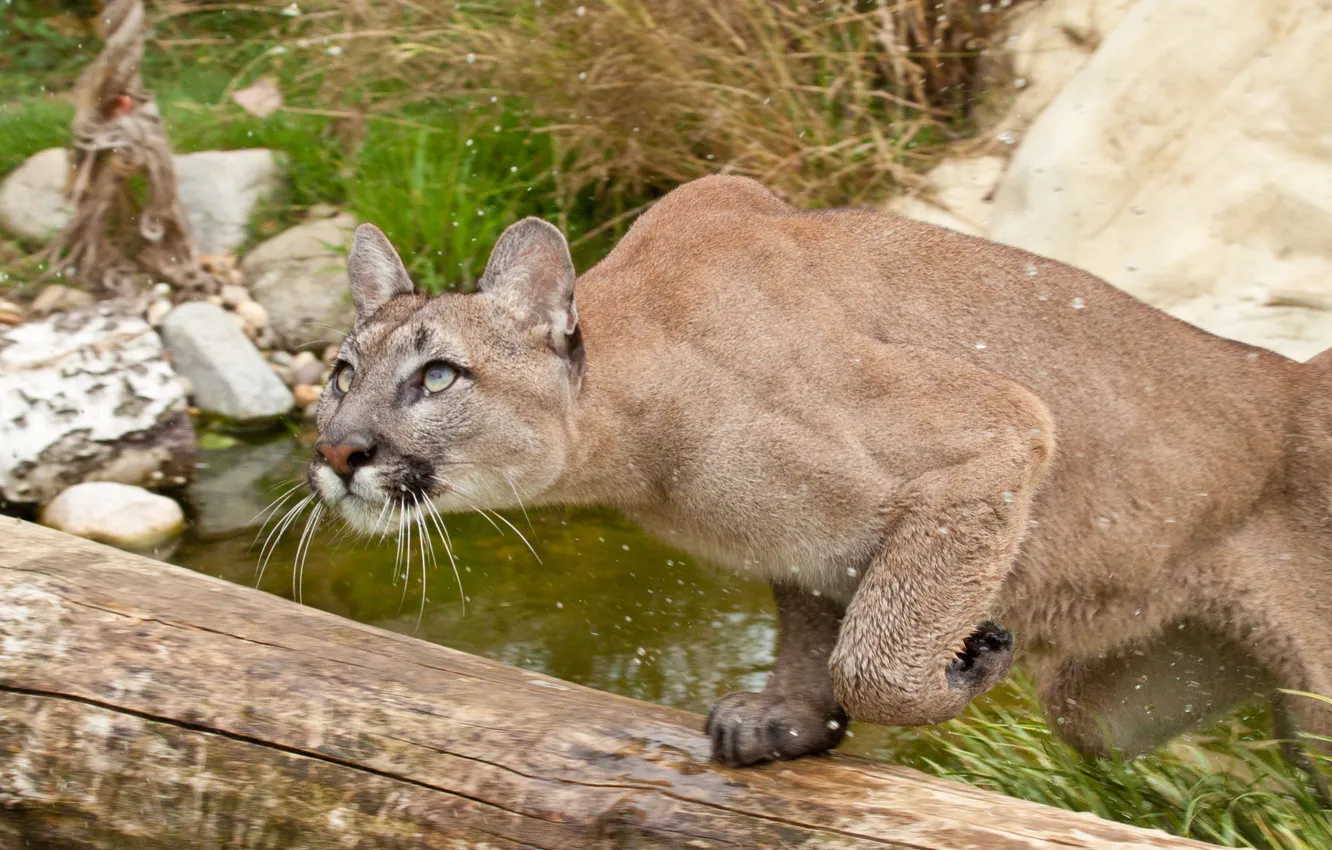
x: 349, y: 456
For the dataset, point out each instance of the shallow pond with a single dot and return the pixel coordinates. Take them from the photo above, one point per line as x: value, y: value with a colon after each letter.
x: 599, y: 603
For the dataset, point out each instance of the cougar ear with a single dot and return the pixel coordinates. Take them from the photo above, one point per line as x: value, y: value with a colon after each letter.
x: 375, y: 271
x: 531, y: 272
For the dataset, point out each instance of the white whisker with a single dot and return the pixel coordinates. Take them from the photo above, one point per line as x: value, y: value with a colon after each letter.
x: 270, y: 544
x: 303, y: 552
x: 521, y: 536
x: 448, y: 549
x: 523, y: 507
x: 271, y: 510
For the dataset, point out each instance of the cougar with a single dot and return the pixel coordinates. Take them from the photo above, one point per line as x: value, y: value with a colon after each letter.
x: 940, y: 451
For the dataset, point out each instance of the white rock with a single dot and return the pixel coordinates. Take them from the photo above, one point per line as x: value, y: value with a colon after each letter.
x: 117, y: 514
x: 231, y: 378
x: 253, y: 313
x: 219, y: 190
x: 1190, y: 163
x: 88, y: 395
x: 302, y: 282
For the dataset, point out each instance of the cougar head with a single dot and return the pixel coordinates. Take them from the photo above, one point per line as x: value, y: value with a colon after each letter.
x: 465, y: 400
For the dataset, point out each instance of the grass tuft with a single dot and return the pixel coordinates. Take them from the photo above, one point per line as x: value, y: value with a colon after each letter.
x: 1226, y: 785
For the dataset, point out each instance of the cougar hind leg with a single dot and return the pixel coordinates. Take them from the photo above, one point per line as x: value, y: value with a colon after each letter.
x: 1138, y: 697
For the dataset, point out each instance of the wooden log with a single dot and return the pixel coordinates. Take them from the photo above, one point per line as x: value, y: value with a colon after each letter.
x: 146, y: 706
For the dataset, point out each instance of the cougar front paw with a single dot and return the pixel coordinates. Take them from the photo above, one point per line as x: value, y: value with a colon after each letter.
x: 749, y: 728
x: 985, y: 658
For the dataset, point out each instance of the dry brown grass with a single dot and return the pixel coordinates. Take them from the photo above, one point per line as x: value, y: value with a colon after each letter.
x: 826, y: 102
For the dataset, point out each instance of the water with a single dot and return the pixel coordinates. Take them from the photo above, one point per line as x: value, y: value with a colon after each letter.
x: 606, y: 606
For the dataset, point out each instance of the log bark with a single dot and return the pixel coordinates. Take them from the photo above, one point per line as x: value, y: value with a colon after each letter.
x: 146, y: 706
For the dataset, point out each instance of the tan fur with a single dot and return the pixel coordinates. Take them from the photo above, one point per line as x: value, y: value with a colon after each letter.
x: 911, y: 433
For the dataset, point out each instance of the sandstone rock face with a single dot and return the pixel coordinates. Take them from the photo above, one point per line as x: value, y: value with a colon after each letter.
x: 300, y: 277
x: 219, y: 190
x: 1190, y: 164
x: 230, y: 377
x: 117, y: 514
x: 962, y: 190
x: 1045, y: 44
x: 88, y: 395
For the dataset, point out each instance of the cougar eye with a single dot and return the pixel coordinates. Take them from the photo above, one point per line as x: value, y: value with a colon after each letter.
x: 438, y: 377
x: 343, y: 379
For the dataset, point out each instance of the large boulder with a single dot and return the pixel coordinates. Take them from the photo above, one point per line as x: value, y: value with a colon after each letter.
x: 1042, y: 46
x: 116, y: 514
x: 1190, y: 164
x: 218, y: 189
x: 300, y: 277
x: 230, y: 377
x: 88, y: 395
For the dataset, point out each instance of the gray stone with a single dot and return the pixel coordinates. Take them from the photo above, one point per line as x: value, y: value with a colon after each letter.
x: 117, y: 514
x: 231, y: 378
x: 32, y: 201
x: 300, y: 277
x: 219, y: 190
x: 89, y: 395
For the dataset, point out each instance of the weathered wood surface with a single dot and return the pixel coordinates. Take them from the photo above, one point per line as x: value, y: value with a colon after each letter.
x: 146, y: 706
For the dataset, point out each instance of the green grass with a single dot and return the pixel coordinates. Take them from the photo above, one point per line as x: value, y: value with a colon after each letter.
x: 442, y: 178
x: 1226, y: 785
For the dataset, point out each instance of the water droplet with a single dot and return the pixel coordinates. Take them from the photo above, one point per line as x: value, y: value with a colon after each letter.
x: 471, y: 57
x: 852, y: 571
x: 641, y: 652
x: 1103, y: 522
x: 980, y: 346
x: 559, y: 604
x: 1078, y: 303
x: 581, y: 11
x: 943, y: 530
x: 582, y: 75
x: 468, y: 143
x: 1007, y: 497
x: 834, y: 725
x: 1137, y: 210
x: 1031, y: 269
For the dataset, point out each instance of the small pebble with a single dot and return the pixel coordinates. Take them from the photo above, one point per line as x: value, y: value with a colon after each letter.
x: 157, y: 312
x: 254, y: 314
x: 10, y: 313
x: 234, y: 296
x: 306, y: 394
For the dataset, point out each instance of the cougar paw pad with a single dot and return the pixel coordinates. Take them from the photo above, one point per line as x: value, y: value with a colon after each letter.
x: 986, y: 655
